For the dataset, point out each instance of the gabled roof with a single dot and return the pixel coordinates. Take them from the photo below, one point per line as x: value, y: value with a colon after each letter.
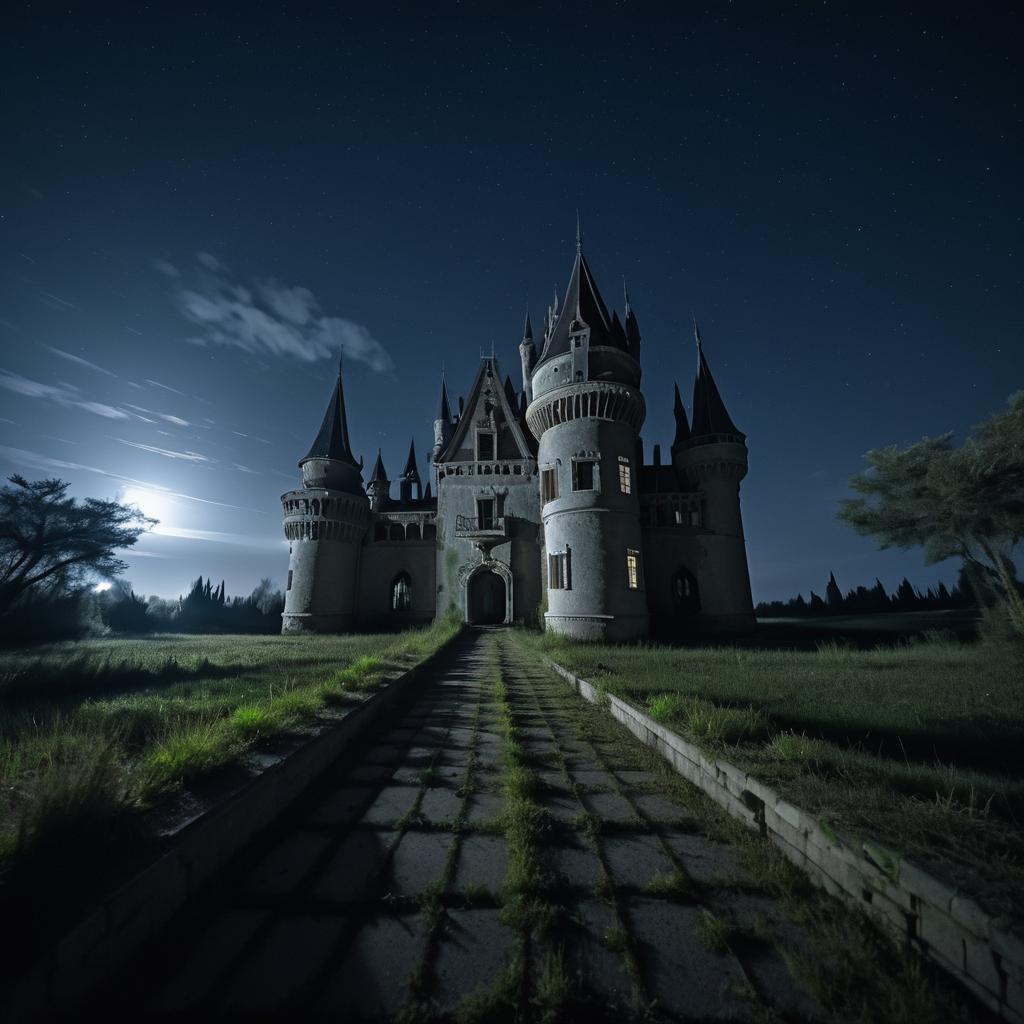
x: 583, y: 302
x: 709, y: 413
x: 332, y: 442
x: 499, y: 398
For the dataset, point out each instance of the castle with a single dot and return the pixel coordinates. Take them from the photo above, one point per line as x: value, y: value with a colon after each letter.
x: 543, y: 506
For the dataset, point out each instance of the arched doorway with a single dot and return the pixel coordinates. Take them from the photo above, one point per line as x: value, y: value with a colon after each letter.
x: 401, y: 592
x: 685, y: 594
x: 486, y: 599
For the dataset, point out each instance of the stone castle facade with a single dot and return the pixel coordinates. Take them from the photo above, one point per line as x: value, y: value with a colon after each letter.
x: 543, y: 506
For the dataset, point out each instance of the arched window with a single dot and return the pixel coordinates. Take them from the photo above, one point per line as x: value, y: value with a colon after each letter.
x: 685, y: 594
x: 401, y: 593
x: 412, y: 531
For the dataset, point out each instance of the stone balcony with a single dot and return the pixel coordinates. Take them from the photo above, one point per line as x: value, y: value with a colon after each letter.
x: 490, y: 528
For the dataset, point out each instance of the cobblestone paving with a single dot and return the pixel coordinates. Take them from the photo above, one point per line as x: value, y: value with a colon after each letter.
x: 384, y: 893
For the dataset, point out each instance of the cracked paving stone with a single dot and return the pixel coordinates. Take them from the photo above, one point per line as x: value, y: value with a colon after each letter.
x: 350, y: 873
x: 482, y: 860
x: 609, y: 806
x: 561, y: 808
x: 705, y: 860
x: 574, y: 863
x: 286, y: 864
x: 391, y: 804
x: 594, y: 779
x: 474, y: 949
x: 657, y: 808
x: 679, y: 972
x: 484, y: 807
x: 372, y: 980
x: 417, y: 863
x: 592, y: 966
x: 440, y: 806
x: 285, y: 964
x: 635, y: 860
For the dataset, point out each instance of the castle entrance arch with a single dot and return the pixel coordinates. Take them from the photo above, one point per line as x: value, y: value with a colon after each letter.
x: 488, y: 596
x: 685, y: 594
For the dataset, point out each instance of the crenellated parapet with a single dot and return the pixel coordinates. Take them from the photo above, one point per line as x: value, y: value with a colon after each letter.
x: 318, y: 514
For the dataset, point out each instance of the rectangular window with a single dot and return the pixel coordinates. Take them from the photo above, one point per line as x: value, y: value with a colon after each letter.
x: 548, y: 485
x: 485, y: 513
x: 632, y: 569
x: 289, y: 579
x: 484, y: 446
x: 584, y: 476
x: 559, y: 571
x: 625, y: 476
x: 678, y: 516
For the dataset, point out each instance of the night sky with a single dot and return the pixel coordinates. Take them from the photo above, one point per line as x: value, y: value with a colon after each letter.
x: 199, y: 208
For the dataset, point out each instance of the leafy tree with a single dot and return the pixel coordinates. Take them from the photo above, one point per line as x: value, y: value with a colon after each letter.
x: 965, y: 502
x: 52, y: 545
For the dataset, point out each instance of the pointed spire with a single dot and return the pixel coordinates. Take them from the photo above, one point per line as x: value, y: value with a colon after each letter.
x: 709, y: 413
x: 510, y: 391
x: 625, y: 296
x: 332, y: 441
x: 444, y: 411
x: 379, y: 475
x: 527, y: 328
x: 426, y: 493
x: 682, y: 426
x: 579, y: 234
x: 411, y: 472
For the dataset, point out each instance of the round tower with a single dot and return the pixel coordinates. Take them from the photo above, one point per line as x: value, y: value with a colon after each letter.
x: 378, y: 487
x: 712, y: 457
x: 325, y: 522
x: 586, y: 414
x: 444, y: 425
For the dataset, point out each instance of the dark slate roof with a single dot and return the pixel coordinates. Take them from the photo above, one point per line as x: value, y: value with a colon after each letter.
x: 583, y: 302
x: 411, y: 472
x: 632, y: 327
x: 682, y: 426
x: 379, y: 474
x: 332, y: 441
x: 709, y: 413
x: 444, y: 411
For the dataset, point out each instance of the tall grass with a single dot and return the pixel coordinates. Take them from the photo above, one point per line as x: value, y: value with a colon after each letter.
x: 92, y: 729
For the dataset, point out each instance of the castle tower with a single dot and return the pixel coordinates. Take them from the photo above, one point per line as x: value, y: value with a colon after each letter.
x: 325, y: 522
x: 444, y: 425
x: 586, y: 414
x: 712, y: 456
x: 410, y: 478
x: 378, y: 488
x: 528, y: 356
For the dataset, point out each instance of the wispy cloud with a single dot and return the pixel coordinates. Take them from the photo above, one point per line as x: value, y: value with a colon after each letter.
x: 167, y: 269
x: 215, y: 536
x: 79, y: 360
x: 34, y: 460
x: 273, y: 319
x: 174, y: 391
x: 66, y: 395
x: 246, y: 469
x: 176, y: 421
x: 168, y: 453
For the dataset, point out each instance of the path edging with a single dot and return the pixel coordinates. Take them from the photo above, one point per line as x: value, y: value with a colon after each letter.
x: 944, y: 925
x: 91, y: 952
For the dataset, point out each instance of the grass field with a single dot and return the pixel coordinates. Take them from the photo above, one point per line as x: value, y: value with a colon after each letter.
x: 918, y: 745
x: 91, y: 728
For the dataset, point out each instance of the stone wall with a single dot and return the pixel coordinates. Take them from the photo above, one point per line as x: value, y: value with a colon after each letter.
x: 943, y: 924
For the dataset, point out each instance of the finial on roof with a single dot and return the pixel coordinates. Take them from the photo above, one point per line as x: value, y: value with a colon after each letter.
x: 579, y: 234
x: 625, y: 295
x: 341, y: 359
x: 696, y: 332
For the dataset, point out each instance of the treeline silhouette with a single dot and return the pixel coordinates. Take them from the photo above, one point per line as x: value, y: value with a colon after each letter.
x: 204, y: 609
x: 863, y: 600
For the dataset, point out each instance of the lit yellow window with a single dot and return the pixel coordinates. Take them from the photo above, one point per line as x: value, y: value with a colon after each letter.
x: 625, y: 476
x: 632, y: 569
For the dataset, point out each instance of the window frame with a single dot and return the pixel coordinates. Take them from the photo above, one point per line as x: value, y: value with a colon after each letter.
x: 560, y: 569
x: 482, y: 432
x: 625, y: 475
x: 595, y: 473
x: 634, y: 569
x: 548, y: 473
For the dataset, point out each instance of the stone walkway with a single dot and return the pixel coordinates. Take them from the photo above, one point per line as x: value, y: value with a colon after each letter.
x: 384, y: 892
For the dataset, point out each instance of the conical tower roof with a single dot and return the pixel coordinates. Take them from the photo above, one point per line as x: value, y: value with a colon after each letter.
x: 444, y: 410
x: 682, y: 425
x: 709, y: 413
x: 332, y: 441
x: 411, y: 472
x: 583, y: 303
x: 527, y: 329
x: 379, y: 475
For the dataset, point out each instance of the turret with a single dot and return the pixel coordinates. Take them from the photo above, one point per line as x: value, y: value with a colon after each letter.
x: 379, y: 486
x: 444, y: 424
x: 632, y: 327
x: 410, y: 478
x: 324, y: 522
x: 528, y: 356
x: 713, y: 459
x: 586, y: 414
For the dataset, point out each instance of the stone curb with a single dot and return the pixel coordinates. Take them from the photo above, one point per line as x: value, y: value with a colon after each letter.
x: 944, y: 925
x: 90, y: 953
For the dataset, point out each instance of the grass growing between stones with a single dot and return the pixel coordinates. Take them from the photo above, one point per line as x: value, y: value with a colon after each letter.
x: 102, y: 727
x: 915, y: 746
